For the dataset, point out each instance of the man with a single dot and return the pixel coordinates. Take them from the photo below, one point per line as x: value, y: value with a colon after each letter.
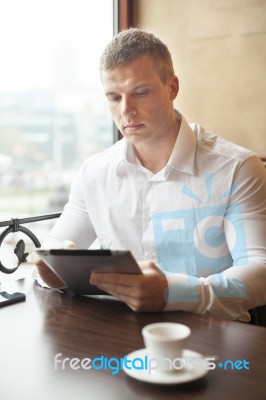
x: 190, y: 206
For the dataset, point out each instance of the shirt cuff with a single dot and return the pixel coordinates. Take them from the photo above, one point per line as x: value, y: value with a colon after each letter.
x: 184, y: 293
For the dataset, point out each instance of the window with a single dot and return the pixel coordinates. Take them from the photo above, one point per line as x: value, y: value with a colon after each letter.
x: 53, y: 113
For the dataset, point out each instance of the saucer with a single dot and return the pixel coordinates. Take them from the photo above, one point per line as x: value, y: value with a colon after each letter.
x: 166, y: 378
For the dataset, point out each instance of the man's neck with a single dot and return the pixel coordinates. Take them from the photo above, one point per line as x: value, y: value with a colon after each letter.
x: 155, y: 156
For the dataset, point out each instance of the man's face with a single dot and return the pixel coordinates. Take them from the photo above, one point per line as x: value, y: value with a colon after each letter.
x: 140, y: 104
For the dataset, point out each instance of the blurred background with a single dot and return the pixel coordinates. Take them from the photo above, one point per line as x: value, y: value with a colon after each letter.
x: 53, y: 113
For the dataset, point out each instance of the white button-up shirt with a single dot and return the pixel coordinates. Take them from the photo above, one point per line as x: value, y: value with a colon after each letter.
x: 202, y: 219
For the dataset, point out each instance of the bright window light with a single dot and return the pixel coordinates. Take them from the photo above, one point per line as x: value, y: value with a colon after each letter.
x: 53, y: 113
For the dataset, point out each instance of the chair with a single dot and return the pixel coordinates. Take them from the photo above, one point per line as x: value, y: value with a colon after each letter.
x: 258, y: 316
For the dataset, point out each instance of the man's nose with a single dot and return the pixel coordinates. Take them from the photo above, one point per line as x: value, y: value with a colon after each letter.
x: 128, y: 107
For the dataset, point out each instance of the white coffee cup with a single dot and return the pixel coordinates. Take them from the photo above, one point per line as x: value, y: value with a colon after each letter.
x: 165, y: 342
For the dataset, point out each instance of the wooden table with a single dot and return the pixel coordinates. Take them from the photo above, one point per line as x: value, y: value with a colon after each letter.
x: 32, y: 333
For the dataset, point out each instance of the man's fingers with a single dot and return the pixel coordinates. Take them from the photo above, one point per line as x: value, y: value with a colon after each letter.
x: 141, y: 292
x: 45, y: 272
x: 68, y: 244
x: 147, y: 266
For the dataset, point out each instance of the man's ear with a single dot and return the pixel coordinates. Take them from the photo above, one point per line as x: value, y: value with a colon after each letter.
x: 173, y: 87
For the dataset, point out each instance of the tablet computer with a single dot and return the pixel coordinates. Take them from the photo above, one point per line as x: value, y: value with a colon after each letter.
x: 74, y: 267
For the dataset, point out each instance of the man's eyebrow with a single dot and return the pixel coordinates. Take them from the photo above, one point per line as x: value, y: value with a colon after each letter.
x: 138, y: 87
x: 143, y: 86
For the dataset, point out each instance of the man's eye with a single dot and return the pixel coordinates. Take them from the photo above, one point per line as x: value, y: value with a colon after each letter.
x: 141, y: 94
x: 114, y: 98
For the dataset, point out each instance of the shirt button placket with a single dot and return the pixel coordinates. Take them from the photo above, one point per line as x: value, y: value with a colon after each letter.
x: 147, y: 223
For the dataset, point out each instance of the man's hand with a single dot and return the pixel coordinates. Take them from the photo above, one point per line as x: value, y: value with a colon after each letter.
x: 45, y: 272
x: 141, y: 292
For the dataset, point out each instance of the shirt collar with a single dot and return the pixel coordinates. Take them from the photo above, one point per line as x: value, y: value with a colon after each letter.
x: 183, y: 154
x: 125, y: 157
x: 181, y: 159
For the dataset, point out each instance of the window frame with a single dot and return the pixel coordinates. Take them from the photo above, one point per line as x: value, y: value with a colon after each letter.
x: 123, y: 15
x: 122, y: 19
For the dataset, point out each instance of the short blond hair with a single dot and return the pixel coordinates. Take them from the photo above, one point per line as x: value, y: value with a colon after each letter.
x: 132, y: 43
